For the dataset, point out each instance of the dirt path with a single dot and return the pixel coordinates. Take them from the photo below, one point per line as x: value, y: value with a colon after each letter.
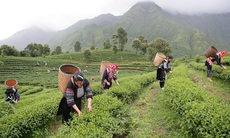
x: 147, y: 115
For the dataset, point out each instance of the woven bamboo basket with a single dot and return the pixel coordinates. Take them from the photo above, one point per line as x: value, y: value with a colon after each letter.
x: 11, y: 83
x: 210, y: 51
x: 104, y: 65
x: 158, y: 58
x: 66, y: 71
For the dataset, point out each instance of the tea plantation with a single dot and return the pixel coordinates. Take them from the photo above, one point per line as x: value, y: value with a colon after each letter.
x: 189, y: 106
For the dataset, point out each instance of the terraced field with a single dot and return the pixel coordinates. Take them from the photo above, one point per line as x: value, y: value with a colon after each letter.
x: 189, y: 106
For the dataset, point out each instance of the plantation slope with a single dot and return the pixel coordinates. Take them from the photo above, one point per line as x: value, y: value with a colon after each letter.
x: 35, y: 109
x: 170, y: 113
x: 150, y: 117
x: 27, y: 73
x: 219, y: 86
x: 202, y: 114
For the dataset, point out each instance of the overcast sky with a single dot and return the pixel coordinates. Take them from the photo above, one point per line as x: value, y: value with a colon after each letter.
x: 59, y: 14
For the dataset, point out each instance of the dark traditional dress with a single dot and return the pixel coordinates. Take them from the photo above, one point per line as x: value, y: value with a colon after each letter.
x: 214, y: 58
x: 108, y: 75
x: 73, y: 95
x: 161, y: 69
x: 11, y: 95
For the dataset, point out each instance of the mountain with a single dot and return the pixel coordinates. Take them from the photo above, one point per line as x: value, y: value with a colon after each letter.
x: 82, y: 31
x: 24, y: 37
x: 187, y: 34
x: 215, y: 26
x: 149, y: 20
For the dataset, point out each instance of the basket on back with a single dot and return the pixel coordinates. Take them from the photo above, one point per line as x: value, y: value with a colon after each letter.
x: 159, y: 58
x: 104, y: 65
x: 11, y: 83
x: 66, y: 71
x: 210, y: 51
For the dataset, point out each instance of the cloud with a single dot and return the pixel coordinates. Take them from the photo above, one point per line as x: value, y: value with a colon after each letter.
x: 60, y: 14
x: 54, y: 14
x: 194, y: 6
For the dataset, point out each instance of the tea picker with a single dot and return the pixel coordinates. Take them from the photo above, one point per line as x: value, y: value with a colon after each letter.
x: 212, y: 56
x: 163, y: 65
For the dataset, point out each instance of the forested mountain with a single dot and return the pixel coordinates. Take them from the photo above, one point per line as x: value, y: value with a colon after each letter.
x: 187, y: 34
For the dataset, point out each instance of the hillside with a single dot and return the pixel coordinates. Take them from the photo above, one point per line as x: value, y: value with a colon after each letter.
x: 21, y: 39
x: 189, y: 106
x: 149, y: 20
x: 187, y: 34
x: 22, y: 67
x: 213, y: 26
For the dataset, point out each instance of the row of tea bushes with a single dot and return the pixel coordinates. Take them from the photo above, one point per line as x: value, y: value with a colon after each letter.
x: 108, y: 118
x: 5, y: 108
x: 217, y: 71
x: 30, y: 99
x: 33, y: 90
x: 132, y: 86
x: 110, y: 115
x: 30, y: 113
x: 38, y: 105
x: 24, y: 70
x: 202, y: 114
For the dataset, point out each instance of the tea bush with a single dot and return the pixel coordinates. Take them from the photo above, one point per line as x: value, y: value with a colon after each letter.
x: 202, y: 113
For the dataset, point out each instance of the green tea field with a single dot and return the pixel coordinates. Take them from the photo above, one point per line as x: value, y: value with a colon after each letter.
x: 189, y: 106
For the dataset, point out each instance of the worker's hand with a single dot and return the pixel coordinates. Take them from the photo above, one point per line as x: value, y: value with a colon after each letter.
x: 117, y: 82
x: 79, y: 113
x: 224, y: 67
x: 170, y: 72
x: 107, y: 83
x: 89, y: 108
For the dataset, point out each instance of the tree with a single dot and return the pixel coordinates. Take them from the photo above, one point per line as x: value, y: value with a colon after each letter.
x: 136, y: 44
x: 30, y: 48
x: 8, y: 50
x: 150, y: 55
x: 39, y: 47
x: 92, y: 47
x: 159, y: 45
x: 24, y: 53
x: 122, y: 38
x: 107, y: 44
x: 87, y: 54
x: 46, y: 50
x: 58, y: 50
x: 33, y: 48
x: 77, y: 46
x: 115, y: 49
x: 115, y: 39
x: 36, y: 53
x: 1, y: 63
x: 144, y: 44
x: 2, y: 52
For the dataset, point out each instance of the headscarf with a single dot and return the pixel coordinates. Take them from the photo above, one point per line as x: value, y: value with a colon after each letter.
x: 114, y: 66
x: 78, y: 76
x: 223, y: 52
